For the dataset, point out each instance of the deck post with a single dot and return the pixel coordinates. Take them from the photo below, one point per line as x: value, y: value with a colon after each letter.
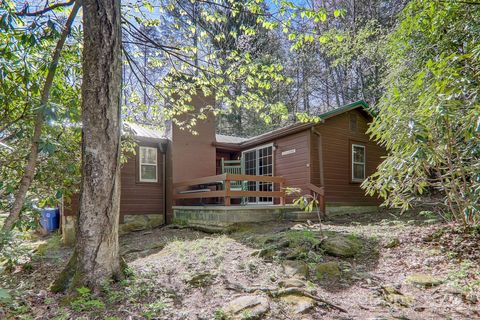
x: 227, y: 192
x: 322, y: 204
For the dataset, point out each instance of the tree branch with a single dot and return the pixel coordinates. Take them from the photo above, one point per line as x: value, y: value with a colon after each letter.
x: 25, y: 13
x: 29, y: 170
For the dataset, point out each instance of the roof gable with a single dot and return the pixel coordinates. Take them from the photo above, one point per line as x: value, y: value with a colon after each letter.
x: 293, y: 128
x: 357, y: 104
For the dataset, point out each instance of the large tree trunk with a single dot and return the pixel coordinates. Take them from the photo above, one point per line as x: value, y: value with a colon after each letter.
x: 96, y: 257
x: 29, y: 171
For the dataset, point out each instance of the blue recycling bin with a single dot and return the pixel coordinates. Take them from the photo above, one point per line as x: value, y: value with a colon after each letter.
x: 50, y: 219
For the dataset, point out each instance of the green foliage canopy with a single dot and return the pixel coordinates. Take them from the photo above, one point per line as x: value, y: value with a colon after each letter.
x: 25, y: 55
x: 429, y: 115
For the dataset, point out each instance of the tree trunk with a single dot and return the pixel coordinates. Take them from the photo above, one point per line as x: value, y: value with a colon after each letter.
x: 96, y: 258
x: 29, y: 171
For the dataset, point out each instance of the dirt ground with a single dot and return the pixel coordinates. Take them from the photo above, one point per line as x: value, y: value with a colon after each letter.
x: 406, y: 268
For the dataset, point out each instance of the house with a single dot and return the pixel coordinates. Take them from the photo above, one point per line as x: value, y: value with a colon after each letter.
x: 177, y: 176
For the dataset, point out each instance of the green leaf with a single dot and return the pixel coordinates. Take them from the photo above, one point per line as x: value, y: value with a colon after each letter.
x: 323, y: 39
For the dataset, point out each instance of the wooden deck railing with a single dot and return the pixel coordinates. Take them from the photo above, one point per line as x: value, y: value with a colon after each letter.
x: 224, y: 181
x: 320, y: 191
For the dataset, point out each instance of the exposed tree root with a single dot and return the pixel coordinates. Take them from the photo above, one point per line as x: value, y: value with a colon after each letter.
x: 277, y: 292
x: 64, y: 279
x: 71, y: 278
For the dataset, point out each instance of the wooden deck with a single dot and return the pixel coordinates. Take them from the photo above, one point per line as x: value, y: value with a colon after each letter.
x: 183, y: 189
x: 195, y: 189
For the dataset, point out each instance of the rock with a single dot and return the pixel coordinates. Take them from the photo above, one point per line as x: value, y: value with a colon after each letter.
x: 392, y: 243
x: 42, y: 293
x: 283, y: 244
x: 299, y: 304
x: 342, y: 246
x: 268, y: 253
x: 140, y: 222
x: 155, y: 220
x: 201, y: 279
x: 314, y: 257
x: 299, y: 253
x: 390, y: 290
x: 247, y: 307
x: 295, y: 268
x: 291, y: 283
x: 423, y: 280
x: 255, y: 253
x: 472, y: 298
x: 133, y: 223
x: 327, y: 270
x: 394, y: 296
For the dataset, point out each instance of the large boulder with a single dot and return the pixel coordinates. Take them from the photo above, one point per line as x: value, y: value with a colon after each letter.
x: 342, y: 246
x: 155, y: 220
x: 247, y: 307
x: 327, y: 270
x: 299, y: 304
x: 140, y: 222
x: 295, y: 269
x: 133, y: 223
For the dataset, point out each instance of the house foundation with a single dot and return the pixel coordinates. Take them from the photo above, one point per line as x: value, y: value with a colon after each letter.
x: 226, y: 218
x: 130, y: 223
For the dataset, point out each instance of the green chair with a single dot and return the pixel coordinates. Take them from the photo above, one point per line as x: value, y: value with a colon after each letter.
x: 235, y: 167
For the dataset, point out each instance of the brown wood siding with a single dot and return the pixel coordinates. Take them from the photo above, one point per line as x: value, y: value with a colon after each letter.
x: 294, y: 167
x: 136, y: 197
x: 315, y: 156
x: 141, y: 197
x: 336, y: 143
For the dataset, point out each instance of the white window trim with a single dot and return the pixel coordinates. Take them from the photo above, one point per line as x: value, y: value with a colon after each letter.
x: 362, y: 163
x: 149, y: 164
x: 256, y: 173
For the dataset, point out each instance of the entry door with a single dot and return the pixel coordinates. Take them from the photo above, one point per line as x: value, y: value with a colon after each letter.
x: 259, y: 161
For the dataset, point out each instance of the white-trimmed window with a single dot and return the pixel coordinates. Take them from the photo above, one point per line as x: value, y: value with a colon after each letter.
x: 148, y: 164
x: 358, y: 162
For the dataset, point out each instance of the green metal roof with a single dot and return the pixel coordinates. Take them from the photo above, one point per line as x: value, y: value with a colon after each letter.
x: 348, y: 107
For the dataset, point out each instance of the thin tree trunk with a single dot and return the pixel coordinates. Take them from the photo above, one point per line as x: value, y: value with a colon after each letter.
x: 96, y: 258
x: 29, y: 171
